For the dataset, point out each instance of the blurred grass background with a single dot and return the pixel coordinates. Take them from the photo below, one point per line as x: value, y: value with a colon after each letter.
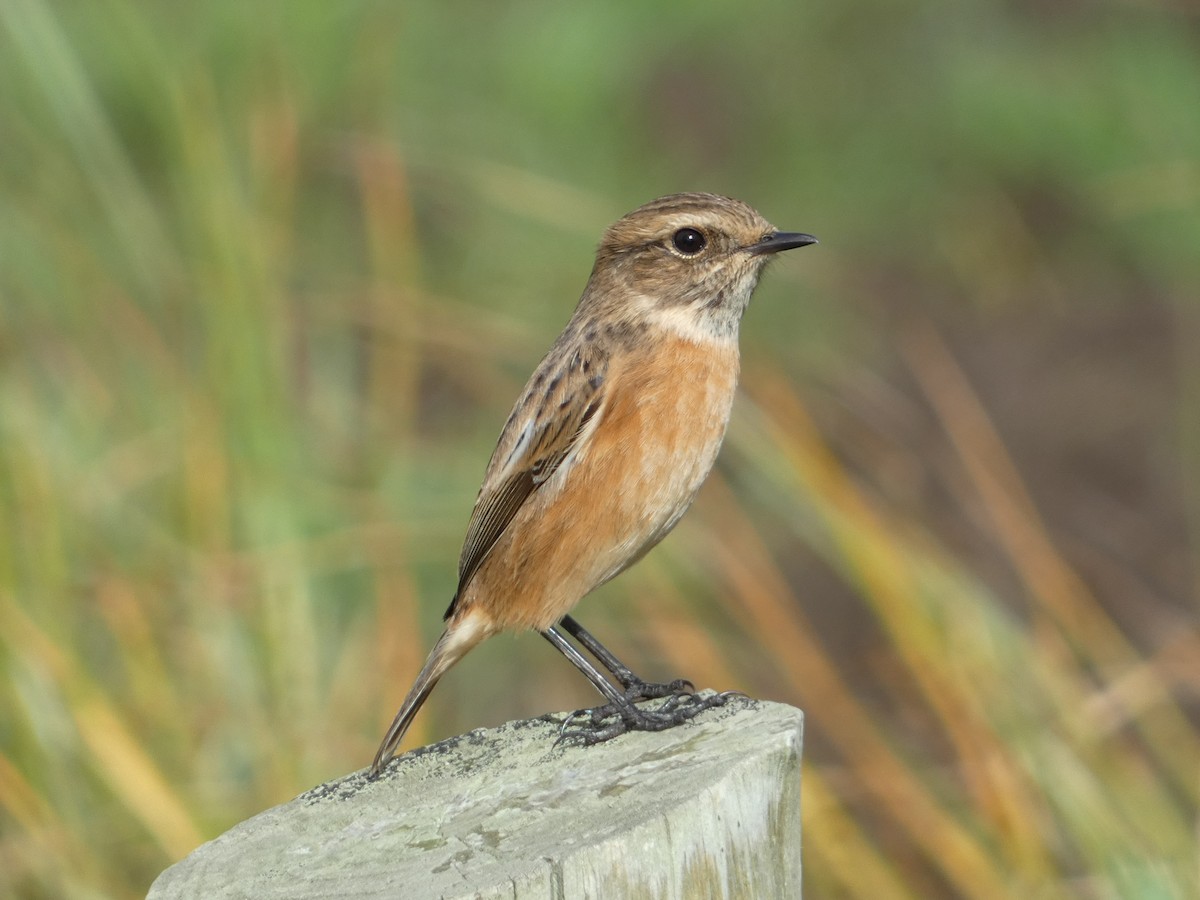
x: 272, y: 274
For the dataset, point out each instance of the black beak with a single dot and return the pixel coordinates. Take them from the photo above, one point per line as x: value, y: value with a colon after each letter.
x: 781, y: 240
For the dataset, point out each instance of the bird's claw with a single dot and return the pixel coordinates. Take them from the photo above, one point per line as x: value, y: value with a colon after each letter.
x: 637, y: 690
x: 603, y: 723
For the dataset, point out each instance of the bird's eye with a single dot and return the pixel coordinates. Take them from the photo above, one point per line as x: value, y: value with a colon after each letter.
x: 688, y: 241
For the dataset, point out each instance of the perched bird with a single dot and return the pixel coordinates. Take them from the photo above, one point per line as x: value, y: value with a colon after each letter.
x: 607, y: 446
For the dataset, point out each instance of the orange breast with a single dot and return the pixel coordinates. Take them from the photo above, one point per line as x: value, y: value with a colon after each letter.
x: 661, y: 427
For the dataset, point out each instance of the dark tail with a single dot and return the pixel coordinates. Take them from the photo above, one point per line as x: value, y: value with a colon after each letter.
x: 458, y: 638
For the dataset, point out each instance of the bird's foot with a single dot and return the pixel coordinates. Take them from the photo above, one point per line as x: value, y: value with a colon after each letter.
x: 603, y: 723
x: 637, y: 690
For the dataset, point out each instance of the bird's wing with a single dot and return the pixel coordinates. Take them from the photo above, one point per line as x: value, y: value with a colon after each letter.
x: 548, y: 424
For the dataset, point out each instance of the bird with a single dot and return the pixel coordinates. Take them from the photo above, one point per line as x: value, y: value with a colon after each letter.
x: 607, y: 446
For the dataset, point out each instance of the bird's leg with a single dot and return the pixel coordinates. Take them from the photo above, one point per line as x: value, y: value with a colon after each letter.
x: 635, y: 688
x: 620, y: 714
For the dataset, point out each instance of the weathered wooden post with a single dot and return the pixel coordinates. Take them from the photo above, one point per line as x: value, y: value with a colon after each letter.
x: 710, y: 809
